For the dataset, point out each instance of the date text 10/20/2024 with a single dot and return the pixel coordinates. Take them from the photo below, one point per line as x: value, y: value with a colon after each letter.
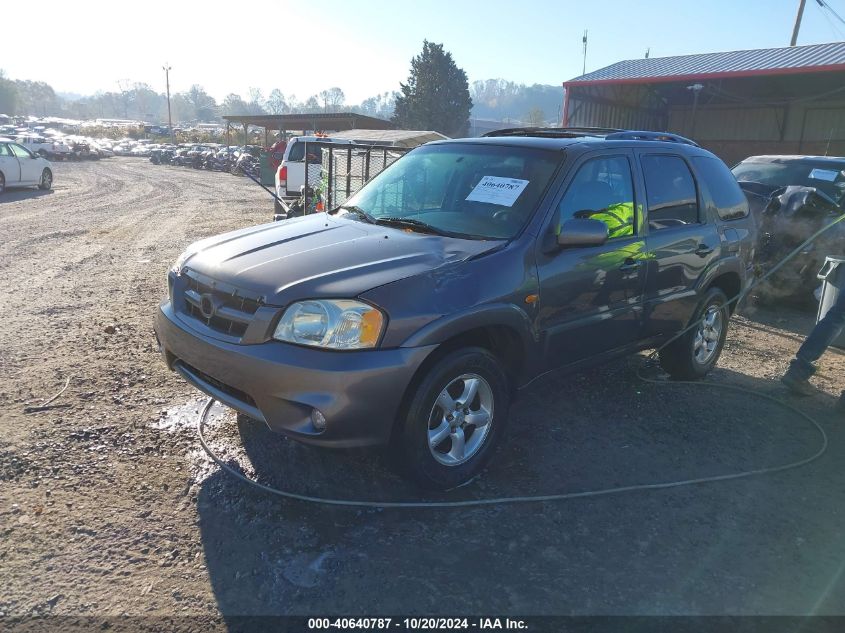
x: 417, y: 624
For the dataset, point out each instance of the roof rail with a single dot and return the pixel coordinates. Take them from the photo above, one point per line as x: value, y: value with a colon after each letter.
x: 554, y: 132
x: 644, y: 135
x: 609, y: 134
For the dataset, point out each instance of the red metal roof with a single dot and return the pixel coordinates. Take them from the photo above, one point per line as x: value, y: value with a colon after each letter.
x: 763, y: 61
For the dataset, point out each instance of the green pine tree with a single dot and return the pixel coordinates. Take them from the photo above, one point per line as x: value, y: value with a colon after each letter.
x: 436, y: 96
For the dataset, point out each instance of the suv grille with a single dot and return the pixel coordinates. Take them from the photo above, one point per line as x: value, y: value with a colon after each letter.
x: 221, y: 308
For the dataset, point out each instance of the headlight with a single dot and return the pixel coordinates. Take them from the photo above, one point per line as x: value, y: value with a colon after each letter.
x: 334, y: 324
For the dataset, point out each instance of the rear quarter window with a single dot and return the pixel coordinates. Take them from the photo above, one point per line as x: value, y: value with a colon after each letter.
x: 730, y: 202
x: 297, y: 152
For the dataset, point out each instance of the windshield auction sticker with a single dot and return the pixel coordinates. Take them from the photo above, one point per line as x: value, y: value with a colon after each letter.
x: 824, y: 174
x: 497, y: 190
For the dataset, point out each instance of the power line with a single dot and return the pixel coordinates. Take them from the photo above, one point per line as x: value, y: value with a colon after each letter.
x: 825, y: 5
x: 834, y: 29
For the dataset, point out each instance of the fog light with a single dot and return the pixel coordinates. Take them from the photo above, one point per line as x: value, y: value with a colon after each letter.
x: 318, y: 420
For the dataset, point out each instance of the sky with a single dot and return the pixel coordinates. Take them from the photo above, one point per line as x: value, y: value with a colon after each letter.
x: 365, y: 46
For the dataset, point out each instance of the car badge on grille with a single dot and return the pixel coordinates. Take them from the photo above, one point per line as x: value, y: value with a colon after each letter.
x: 208, y: 307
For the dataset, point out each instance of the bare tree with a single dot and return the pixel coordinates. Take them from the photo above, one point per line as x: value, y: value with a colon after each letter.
x: 332, y: 99
x: 276, y: 102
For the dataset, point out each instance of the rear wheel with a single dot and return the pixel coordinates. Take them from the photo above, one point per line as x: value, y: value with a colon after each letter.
x: 455, y: 417
x: 46, y: 180
x: 2, y: 183
x: 694, y: 354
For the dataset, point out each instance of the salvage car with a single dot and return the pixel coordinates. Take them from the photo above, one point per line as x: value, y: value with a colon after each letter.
x: 792, y: 198
x: 20, y: 167
x: 412, y: 315
x: 46, y: 147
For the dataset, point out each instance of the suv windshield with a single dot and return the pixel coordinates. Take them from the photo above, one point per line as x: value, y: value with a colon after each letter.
x: 466, y: 190
x: 825, y: 176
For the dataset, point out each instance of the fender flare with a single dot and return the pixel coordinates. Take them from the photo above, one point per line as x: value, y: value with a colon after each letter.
x: 496, y: 314
x: 732, y: 264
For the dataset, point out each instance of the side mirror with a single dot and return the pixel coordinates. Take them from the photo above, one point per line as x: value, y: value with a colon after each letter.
x: 582, y: 232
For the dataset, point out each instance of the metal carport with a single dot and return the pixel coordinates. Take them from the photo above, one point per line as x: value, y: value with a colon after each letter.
x: 319, y: 121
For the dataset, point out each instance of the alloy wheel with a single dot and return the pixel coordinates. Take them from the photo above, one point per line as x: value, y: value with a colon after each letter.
x: 460, y: 419
x: 706, y: 341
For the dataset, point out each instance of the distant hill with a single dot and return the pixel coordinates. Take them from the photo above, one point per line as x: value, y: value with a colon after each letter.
x: 499, y: 99
x: 70, y: 96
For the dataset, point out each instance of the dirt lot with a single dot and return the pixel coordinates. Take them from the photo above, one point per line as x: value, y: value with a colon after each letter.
x: 108, y: 506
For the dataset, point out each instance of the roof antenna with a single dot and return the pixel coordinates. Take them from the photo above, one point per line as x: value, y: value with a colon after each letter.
x: 584, y: 41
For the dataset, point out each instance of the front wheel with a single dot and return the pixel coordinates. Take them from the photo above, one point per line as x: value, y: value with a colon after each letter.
x: 46, y: 180
x: 695, y: 353
x: 455, y: 417
x: 2, y: 183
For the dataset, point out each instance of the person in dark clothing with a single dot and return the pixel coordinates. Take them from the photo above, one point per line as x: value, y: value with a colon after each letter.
x: 797, y: 377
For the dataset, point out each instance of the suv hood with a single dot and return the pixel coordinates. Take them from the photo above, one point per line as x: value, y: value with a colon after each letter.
x: 322, y: 256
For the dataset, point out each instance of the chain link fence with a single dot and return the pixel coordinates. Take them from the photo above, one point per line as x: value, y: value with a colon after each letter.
x: 334, y: 172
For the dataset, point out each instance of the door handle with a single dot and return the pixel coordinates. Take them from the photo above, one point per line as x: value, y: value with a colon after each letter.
x: 629, y: 265
x: 703, y: 250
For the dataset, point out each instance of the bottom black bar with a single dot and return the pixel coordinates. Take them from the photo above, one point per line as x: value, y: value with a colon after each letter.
x: 402, y: 624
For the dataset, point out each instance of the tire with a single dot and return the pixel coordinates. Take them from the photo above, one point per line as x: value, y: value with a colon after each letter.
x: 427, y: 455
x: 694, y: 354
x: 46, y: 180
x: 277, y: 207
x: 2, y: 183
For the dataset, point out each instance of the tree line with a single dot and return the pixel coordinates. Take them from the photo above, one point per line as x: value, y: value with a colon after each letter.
x: 436, y: 96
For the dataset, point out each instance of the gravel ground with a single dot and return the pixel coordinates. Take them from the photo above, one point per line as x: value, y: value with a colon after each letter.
x: 108, y: 506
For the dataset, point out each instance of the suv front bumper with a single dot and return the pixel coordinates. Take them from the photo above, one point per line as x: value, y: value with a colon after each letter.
x: 358, y: 392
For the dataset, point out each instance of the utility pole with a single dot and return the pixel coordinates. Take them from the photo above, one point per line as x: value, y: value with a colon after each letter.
x: 166, y: 69
x: 696, y: 88
x: 797, y: 26
x: 584, y: 41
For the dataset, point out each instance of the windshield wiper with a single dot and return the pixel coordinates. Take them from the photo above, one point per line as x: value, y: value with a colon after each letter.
x: 358, y: 211
x: 410, y: 222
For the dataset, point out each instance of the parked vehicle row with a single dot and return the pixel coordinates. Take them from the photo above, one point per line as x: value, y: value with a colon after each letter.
x: 212, y: 157
x: 54, y: 145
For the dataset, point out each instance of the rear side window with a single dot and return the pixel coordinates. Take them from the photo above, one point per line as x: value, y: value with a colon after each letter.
x: 670, y: 191
x: 297, y: 152
x: 731, y: 203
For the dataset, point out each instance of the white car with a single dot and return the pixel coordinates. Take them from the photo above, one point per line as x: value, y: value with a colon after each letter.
x: 20, y: 168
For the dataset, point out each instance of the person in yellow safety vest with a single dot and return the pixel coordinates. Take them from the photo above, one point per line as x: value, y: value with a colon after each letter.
x: 618, y: 217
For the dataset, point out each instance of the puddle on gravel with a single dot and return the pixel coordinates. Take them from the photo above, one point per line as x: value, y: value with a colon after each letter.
x: 182, y: 419
x: 305, y: 570
x: 184, y: 416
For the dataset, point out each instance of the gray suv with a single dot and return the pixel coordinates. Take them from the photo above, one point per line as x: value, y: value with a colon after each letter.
x: 412, y: 315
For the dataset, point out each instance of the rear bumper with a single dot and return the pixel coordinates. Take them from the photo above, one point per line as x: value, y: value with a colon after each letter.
x: 359, y: 393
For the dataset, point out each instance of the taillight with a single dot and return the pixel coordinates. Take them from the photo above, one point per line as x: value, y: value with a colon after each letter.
x: 283, y: 176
